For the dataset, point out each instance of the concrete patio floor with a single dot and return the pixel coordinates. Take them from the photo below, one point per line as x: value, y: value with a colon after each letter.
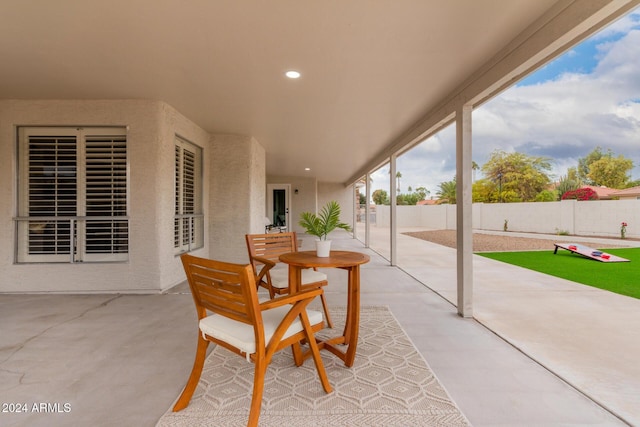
x: 114, y: 360
x: 587, y: 336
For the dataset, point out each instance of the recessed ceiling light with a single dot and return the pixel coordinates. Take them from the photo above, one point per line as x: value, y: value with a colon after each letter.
x: 307, y: 169
x: 292, y: 74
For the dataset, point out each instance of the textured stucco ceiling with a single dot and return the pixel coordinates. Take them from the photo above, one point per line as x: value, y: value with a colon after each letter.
x: 370, y: 69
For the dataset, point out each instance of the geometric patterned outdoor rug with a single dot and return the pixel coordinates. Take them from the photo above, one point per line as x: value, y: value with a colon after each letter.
x: 390, y: 384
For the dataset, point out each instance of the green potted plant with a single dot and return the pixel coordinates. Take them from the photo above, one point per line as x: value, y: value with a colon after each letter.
x: 323, y: 224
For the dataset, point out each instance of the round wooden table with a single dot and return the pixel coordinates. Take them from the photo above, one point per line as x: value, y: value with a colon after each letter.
x: 345, y: 260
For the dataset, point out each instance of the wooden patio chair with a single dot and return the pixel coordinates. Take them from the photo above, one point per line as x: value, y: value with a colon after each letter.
x: 230, y: 315
x: 264, y: 252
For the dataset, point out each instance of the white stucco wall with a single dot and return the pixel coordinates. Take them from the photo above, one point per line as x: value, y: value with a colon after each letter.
x: 313, y: 195
x: 584, y: 218
x: 343, y: 195
x: 435, y: 217
x: 152, y: 126
x: 237, y: 195
x: 234, y: 184
x: 173, y: 123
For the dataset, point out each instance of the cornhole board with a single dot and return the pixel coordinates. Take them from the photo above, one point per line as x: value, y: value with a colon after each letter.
x: 588, y: 252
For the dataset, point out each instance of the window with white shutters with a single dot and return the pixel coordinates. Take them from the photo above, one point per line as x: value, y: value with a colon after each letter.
x: 107, y: 226
x: 73, y: 195
x: 188, y: 233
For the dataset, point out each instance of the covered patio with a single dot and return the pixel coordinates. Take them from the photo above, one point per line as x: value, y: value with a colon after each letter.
x: 107, y: 338
x: 123, y: 359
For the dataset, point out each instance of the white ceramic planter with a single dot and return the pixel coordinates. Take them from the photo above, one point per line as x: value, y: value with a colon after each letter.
x: 323, y: 247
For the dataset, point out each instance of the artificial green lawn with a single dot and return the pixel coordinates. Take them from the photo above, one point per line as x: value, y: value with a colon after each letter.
x: 620, y: 277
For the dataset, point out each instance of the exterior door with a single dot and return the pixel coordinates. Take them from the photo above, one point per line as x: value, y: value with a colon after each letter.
x: 278, y: 205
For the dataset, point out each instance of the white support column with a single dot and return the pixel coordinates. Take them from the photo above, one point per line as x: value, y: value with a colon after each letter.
x: 367, y: 222
x: 356, y: 210
x: 243, y: 161
x: 464, y: 217
x: 393, y: 212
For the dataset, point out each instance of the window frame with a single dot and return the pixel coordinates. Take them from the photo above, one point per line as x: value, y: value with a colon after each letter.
x: 188, y: 228
x: 85, y: 239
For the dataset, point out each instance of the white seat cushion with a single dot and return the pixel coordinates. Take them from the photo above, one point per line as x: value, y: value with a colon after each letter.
x: 280, y: 277
x: 241, y: 335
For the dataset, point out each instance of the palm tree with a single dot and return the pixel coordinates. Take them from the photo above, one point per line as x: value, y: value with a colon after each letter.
x: 398, y: 176
x: 447, y: 192
x: 474, y: 168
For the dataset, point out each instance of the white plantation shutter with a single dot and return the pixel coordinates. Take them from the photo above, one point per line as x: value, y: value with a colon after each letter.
x: 106, y: 196
x: 51, y: 192
x: 177, y: 239
x: 188, y: 222
x: 73, y: 195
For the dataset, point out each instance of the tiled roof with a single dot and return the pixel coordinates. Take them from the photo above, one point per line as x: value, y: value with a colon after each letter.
x: 427, y: 202
x: 632, y: 191
x: 602, y: 192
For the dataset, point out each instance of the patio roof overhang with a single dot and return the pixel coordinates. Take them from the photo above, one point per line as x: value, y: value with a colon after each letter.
x: 376, y: 77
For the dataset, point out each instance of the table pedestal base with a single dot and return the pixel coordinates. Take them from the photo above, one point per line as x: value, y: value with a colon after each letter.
x: 345, y: 260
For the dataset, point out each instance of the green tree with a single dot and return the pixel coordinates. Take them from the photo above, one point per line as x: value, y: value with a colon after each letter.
x: 612, y: 172
x: 547, y: 196
x: 422, y: 192
x: 380, y: 197
x: 599, y: 168
x: 518, y: 176
x: 447, y: 192
x: 572, y: 174
x: 585, y: 162
x: 510, y: 196
x: 362, y: 199
x: 404, y: 199
x: 398, y: 176
x: 407, y: 199
x: 482, y: 191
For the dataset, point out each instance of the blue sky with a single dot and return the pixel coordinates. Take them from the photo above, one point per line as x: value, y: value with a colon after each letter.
x: 587, y: 97
x: 582, y: 59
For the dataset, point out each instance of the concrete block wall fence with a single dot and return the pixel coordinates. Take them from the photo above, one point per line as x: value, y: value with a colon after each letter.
x: 581, y: 218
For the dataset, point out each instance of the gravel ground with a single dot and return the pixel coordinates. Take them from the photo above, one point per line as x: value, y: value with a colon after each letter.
x: 493, y: 243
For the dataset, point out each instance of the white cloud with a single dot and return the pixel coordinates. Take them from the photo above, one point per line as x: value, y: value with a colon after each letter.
x: 621, y: 26
x: 563, y: 119
x: 567, y: 118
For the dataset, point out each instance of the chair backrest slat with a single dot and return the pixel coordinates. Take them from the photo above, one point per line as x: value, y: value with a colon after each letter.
x: 223, y: 288
x: 271, y: 246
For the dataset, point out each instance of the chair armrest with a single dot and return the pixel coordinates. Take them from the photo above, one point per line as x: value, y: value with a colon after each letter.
x: 267, y: 265
x: 296, y: 307
x: 290, y: 299
x: 264, y: 261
